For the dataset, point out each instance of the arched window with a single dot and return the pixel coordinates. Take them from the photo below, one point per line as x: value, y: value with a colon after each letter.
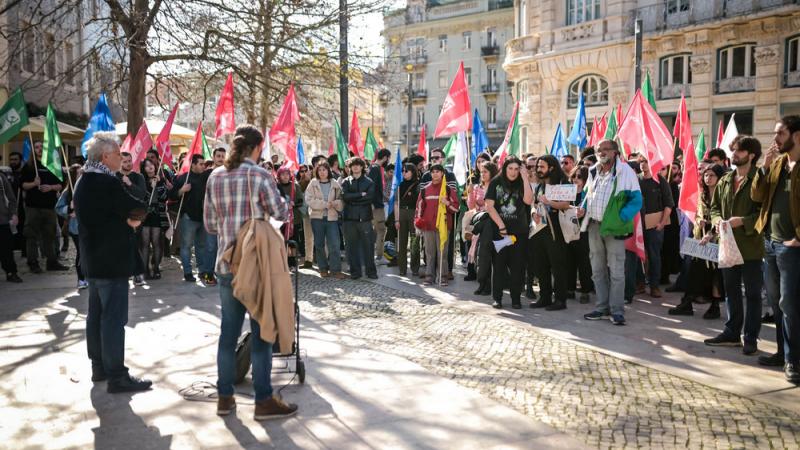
x: 595, y: 91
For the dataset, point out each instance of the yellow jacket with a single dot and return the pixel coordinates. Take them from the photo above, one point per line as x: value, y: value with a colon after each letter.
x: 261, y: 280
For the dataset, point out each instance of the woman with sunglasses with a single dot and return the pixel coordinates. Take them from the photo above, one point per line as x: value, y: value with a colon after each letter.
x: 404, y: 211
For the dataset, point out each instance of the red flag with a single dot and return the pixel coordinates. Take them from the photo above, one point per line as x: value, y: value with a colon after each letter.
x: 224, y: 116
x: 455, y: 115
x: 683, y: 128
x: 598, y: 131
x: 644, y: 130
x: 195, y: 148
x: 603, y: 126
x: 140, y: 145
x: 162, y: 141
x: 422, y: 147
x: 635, y: 243
x: 282, y: 134
x: 503, y: 151
x: 690, y: 187
x: 126, y: 144
x: 720, y: 134
x: 330, y: 149
x: 354, y: 140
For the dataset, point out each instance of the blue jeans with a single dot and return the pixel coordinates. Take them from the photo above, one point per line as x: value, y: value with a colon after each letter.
x: 787, y: 260
x: 360, y: 247
x: 212, y: 244
x: 772, y: 283
x: 105, y: 325
x: 608, y: 270
x: 327, y: 233
x: 261, y: 355
x: 632, y: 266
x: 748, y: 316
x: 653, y: 241
x: 193, y: 233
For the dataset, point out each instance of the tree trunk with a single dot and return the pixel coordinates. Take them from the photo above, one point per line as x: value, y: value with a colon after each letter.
x: 136, y: 87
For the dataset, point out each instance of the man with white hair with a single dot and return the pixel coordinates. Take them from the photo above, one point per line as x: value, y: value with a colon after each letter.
x: 107, y: 218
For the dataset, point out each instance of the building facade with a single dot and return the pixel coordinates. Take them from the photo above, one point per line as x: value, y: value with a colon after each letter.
x: 726, y: 56
x: 425, y: 42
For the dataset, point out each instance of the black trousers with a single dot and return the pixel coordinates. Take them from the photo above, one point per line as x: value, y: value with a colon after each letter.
x: 484, y: 258
x: 7, y: 250
x: 508, y: 270
x: 551, y: 265
x: 579, y: 267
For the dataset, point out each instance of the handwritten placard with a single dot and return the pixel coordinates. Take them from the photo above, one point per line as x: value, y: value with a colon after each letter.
x: 561, y: 192
x: 692, y: 247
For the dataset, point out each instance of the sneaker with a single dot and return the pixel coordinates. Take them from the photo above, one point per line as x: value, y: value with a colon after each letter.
x: 790, y: 370
x: 55, y: 266
x: 773, y: 360
x: 138, y: 280
x: 628, y: 300
x: 750, y: 348
x: 274, y: 407
x: 713, y: 311
x: 516, y: 305
x: 723, y: 340
x: 226, y: 404
x: 381, y: 261
x: 596, y: 315
x: 189, y: 277
x: 685, y: 308
x: 618, y: 319
x: 210, y: 280
x: 128, y: 384
x: 497, y: 305
x: 83, y: 284
x: 13, y: 278
x: 324, y: 273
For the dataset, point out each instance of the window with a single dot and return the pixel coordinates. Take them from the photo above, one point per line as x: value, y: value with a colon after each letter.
x: 49, y: 55
x: 676, y: 6
x: 582, y: 11
x: 675, y: 73
x: 491, y: 75
x: 736, y: 69
x: 443, y: 43
x: 69, y: 58
x: 467, y: 36
x: 416, y: 47
x: 468, y: 75
x: 522, y: 18
x: 419, y: 81
x: 792, y: 64
x: 743, y: 119
x: 594, y: 88
x: 522, y: 94
x: 491, y: 113
x: 442, y: 79
x: 523, y: 140
x: 491, y: 37
x: 419, y: 113
x: 28, y: 46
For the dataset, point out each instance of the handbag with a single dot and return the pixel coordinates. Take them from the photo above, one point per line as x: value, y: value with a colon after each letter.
x: 570, y: 226
x: 729, y: 254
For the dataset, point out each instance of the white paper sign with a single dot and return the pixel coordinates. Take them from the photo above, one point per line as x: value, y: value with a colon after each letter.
x: 561, y: 192
x: 692, y: 247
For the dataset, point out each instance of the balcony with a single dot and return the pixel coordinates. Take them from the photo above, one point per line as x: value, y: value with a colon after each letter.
x: 674, y: 91
x: 735, y: 84
x: 419, y: 94
x: 489, y: 51
x: 415, y: 60
x: 491, y: 88
x: 500, y: 4
x: 496, y: 127
x: 791, y: 79
x: 415, y: 129
x: 660, y: 17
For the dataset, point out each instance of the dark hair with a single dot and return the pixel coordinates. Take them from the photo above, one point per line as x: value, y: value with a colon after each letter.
x: 219, y: 149
x: 438, y: 167
x: 748, y: 144
x: 383, y: 153
x: 196, y: 158
x: 437, y: 149
x: 581, y: 173
x: 333, y: 159
x: 125, y: 154
x: 568, y: 156
x: 492, y: 168
x: 246, y: 139
x: 588, y: 151
x: 316, y: 158
x: 324, y: 165
x: 508, y: 184
x: 792, y: 123
x: 591, y: 158
x: 411, y: 167
x: 355, y: 161
x: 718, y: 152
x: 719, y: 171
x: 144, y: 162
x: 15, y: 154
x: 416, y: 158
x: 556, y: 173
x: 153, y: 151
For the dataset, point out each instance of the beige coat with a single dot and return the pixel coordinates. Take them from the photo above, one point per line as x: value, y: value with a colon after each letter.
x: 316, y: 204
x: 261, y: 280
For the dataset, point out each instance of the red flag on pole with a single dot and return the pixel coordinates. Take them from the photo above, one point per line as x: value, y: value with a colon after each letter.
x: 282, y: 134
x: 683, y: 128
x: 455, y: 116
x: 422, y: 149
x: 162, y: 141
x: 690, y: 187
x: 224, y: 117
x: 126, y: 144
x: 635, y: 243
x: 139, y: 146
x: 354, y: 140
x: 598, y: 131
x: 196, y: 148
x: 720, y: 134
x: 330, y: 149
x: 644, y: 130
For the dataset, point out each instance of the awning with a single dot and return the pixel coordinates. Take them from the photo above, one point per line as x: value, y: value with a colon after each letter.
x: 36, y: 128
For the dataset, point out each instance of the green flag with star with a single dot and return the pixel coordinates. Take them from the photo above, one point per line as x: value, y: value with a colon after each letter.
x: 13, y: 116
x: 51, y: 145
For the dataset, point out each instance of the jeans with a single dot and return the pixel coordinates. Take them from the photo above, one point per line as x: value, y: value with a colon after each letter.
x: 653, y: 240
x: 105, y: 325
x: 193, y: 232
x: 7, y: 250
x: 608, y: 270
x: 748, y: 316
x: 359, y: 245
x: 772, y: 283
x: 212, y: 244
x: 326, y: 233
x: 787, y: 260
x: 230, y: 329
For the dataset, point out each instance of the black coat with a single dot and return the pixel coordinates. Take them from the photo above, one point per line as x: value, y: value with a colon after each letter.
x: 358, y: 195
x: 108, y: 243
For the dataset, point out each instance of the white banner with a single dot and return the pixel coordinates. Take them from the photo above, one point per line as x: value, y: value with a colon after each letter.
x: 692, y: 247
x: 561, y: 192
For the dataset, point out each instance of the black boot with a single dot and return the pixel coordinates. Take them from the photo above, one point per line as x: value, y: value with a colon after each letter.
x: 471, y: 275
x: 684, y: 308
x: 542, y: 303
x: 713, y: 310
x: 556, y: 306
x: 483, y: 289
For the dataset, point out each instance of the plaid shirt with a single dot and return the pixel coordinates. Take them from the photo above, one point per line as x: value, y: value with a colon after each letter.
x: 227, y: 205
x: 599, y: 195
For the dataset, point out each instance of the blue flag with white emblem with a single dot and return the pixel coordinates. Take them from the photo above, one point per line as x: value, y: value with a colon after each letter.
x: 396, y: 179
x: 100, y: 121
x: 559, y: 147
x: 301, y: 154
x: 480, y: 141
x: 578, y: 134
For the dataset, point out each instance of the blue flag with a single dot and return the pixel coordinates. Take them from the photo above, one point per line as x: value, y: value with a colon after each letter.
x: 301, y: 154
x: 398, y: 177
x: 578, y: 134
x: 559, y: 147
x: 480, y: 141
x: 100, y: 121
x: 26, y: 150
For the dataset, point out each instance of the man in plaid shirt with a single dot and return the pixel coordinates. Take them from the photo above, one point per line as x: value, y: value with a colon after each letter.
x: 235, y: 193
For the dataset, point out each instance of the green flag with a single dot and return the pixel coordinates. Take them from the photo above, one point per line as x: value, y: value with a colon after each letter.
x: 448, y: 148
x: 513, y: 140
x: 51, y: 145
x: 207, y: 152
x: 611, y: 129
x: 647, y: 91
x: 700, y: 148
x: 13, y: 116
x: 370, y: 146
x: 341, y: 145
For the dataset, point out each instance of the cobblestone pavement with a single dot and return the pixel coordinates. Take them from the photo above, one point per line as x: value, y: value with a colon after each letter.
x: 605, y: 401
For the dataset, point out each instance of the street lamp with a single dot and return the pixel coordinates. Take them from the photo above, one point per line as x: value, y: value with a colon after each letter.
x: 409, y: 68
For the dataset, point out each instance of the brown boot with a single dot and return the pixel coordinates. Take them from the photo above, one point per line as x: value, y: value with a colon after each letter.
x: 655, y: 292
x: 339, y: 276
x: 226, y: 404
x: 274, y: 407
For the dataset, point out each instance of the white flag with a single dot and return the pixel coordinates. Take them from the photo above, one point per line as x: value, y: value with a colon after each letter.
x: 461, y: 161
x: 730, y: 134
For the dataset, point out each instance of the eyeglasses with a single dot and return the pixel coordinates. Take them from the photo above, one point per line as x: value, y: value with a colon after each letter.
x: 564, y: 163
x: 435, y: 158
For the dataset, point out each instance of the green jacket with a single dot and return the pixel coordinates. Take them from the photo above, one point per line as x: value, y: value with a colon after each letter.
x: 763, y: 190
x: 725, y: 203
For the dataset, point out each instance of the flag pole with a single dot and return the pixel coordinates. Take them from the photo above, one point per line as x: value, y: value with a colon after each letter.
x: 69, y: 177
x: 158, y: 175
x: 177, y: 219
x: 33, y: 150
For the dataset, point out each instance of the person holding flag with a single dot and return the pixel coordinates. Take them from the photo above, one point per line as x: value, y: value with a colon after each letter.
x: 436, y: 209
x: 377, y: 173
